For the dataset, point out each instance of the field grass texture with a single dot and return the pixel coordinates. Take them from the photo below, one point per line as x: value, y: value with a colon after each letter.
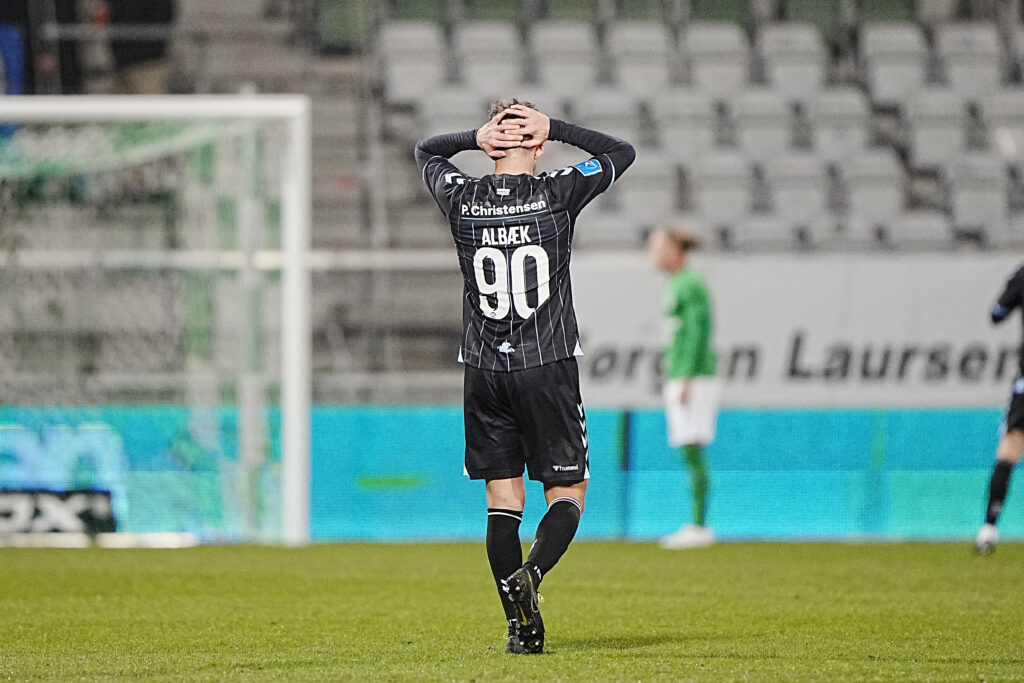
x: 614, y: 611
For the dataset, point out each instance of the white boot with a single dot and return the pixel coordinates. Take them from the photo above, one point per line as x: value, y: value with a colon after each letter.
x: 690, y: 536
x: 986, y: 540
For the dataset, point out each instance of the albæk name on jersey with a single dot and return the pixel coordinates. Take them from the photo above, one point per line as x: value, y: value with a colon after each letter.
x: 478, y: 210
x: 504, y: 236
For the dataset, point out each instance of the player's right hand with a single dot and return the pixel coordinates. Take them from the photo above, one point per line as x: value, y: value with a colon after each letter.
x: 496, y: 135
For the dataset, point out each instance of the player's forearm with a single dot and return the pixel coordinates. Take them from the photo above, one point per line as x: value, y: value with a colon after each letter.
x: 593, y: 142
x: 446, y: 145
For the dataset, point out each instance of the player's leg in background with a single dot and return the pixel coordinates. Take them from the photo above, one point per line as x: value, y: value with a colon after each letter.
x: 691, y: 428
x: 1008, y: 454
x: 505, y: 501
x: 693, y: 455
x: 557, y: 528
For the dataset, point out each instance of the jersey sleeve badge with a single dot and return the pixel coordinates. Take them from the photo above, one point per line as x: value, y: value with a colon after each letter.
x: 589, y: 167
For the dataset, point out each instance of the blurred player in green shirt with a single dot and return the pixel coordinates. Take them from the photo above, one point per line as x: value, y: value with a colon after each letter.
x: 691, y: 391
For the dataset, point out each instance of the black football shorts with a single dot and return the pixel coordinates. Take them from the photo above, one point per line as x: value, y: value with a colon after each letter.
x: 530, y: 419
x: 1015, y: 412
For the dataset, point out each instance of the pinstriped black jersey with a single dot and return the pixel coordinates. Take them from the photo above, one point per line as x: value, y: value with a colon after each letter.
x: 513, y: 235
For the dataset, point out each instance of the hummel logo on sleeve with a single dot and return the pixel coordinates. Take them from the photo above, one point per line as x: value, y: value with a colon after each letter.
x: 454, y: 177
x: 588, y: 167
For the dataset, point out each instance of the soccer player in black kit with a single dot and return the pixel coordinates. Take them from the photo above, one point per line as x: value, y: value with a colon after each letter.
x: 513, y: 233
x: 1011, y: 444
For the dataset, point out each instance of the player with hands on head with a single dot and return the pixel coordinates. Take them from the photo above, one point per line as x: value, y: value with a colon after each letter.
x: 523, y: 412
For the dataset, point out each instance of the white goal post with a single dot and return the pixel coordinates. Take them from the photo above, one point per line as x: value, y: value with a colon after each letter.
x: 292, y: 112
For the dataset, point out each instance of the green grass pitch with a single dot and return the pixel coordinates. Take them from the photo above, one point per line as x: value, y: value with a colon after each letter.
x: 614, y: 611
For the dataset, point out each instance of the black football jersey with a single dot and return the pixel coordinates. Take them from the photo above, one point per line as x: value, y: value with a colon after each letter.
x: 513, y: 235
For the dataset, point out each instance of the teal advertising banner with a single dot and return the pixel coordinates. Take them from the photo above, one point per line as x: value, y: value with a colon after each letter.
x: 395, y: 473
x: 168, y: 468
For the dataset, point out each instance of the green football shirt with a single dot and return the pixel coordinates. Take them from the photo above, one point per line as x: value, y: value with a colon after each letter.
x: 688, y: 308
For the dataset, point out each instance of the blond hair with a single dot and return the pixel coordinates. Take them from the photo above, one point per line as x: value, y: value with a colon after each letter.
x: 683, y: 240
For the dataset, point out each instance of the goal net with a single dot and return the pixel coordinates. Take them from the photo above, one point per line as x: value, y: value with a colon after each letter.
x: 154, y: 316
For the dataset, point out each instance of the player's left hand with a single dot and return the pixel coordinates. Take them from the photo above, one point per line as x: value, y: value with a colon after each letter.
x: 495, y: 136
x: 532, y: 122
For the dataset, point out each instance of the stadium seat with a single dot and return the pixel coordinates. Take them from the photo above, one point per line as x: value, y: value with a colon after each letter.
x: 718, y: 57
x: 886, y: 10
x: 978, y: 195
x: 763, y: 128
x: 551, y: 103
x: 603, y: 229
x: 856, y: 233
x: 896, y: 59
x: 972, y: 57
x: 644, y: 10
x: 418, y: 10
x: 451, y: 109
x: 762, y: 231
x: 825, y: 14
x: 338, y: 26
x: 1014, y: 236
x: 610, y: 111
x: 488, y: 53
x: 920, y: 229
x: 937, y: 125
x: 566, y: 55
x: 722, y: 188
x: 641, y: 55
x: 413, y: 57
x: 936, y: 12
x: 732, y: 11
x: 487, y: 10
x: 799, y: 188
x: 1004, y: 114
x: 841, y: 119
x: 874, y: 188
x: 686, y: 121
x: 794, y: 57
x: 652, y: 192
x: 569, y: 10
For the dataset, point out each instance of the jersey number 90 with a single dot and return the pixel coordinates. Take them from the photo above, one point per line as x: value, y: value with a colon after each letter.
x: 510, y: 290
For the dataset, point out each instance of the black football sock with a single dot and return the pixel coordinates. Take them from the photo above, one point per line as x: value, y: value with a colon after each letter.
x: 554, y: 533
x: 997, y: 488
x: 504, y: 549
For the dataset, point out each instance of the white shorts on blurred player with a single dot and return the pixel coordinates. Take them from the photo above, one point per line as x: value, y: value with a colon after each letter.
x: 692, y: 422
